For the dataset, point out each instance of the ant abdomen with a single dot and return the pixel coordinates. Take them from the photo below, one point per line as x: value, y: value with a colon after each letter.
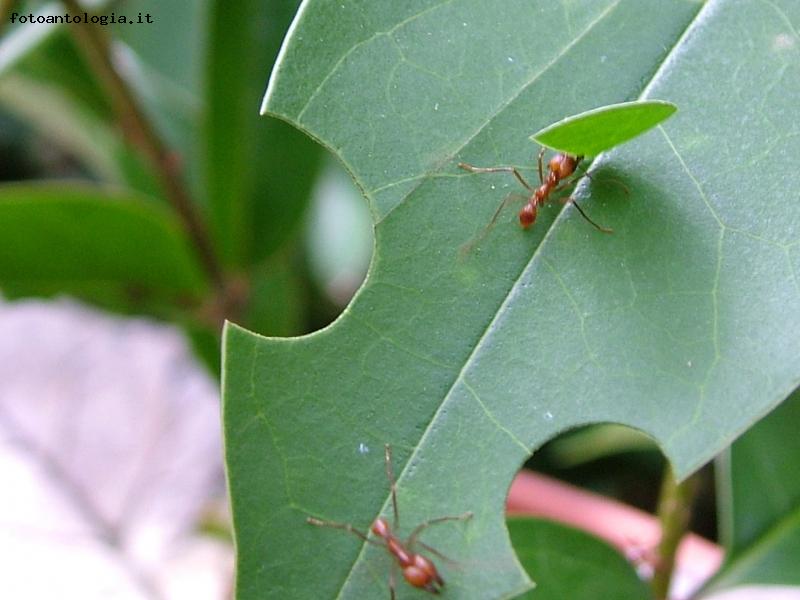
x: 422, y: 573
x: 527, y: 215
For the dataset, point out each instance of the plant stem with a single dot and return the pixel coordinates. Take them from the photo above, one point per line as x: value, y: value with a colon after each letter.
x: 141, y: 134
x: 674, y: 512
x: 6, y: 6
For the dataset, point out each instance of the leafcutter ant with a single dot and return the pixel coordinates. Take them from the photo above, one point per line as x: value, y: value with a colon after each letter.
x: 418, y: 570
x: 559, y: 168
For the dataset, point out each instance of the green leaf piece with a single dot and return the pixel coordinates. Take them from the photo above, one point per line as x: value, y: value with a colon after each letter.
x: 600, y: 129
x: 684, y: 324
x: 76, y: 236
x: 569, y: 563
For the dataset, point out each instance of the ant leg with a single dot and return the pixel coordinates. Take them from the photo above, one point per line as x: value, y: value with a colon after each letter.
x: 392, y: 484
x: 572, y: 200
x: 437, y: 554
x: 412, y: 539
x: 512, y: 197
x: 512, y: 170
x: 541, y: 169
x: 506, y: 201
x: 392, y: 580
x: 344, y: 526
x: 570, y: 182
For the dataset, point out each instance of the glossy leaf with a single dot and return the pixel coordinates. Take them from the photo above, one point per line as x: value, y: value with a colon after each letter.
x: 78, y: 235
x: 759, y: 483
x: 600, y: 129
x: 258, y: 172
x: 759, y: 493
x: 685, y: 323
x: 569, y: 563
x: 771, y: 560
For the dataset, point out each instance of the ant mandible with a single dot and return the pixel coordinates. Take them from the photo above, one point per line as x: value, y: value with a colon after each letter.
x: 559, y: 167
x: 418, y: 570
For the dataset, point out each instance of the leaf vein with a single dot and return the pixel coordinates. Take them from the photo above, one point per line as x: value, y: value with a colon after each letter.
x: 358, y: 45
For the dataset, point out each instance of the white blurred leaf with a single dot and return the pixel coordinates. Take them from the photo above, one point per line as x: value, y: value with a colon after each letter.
x: 110, y: 449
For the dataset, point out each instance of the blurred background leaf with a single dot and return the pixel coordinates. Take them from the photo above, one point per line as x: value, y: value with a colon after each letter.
x: 568, y: 563
x: 759, y: 496
x: 71, y: 236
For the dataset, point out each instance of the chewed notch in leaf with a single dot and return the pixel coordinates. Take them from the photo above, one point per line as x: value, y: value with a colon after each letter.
x: 594, y: 131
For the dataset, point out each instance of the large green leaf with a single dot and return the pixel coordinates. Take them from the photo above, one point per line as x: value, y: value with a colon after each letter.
x: 684, y: 323
x: 760, y: 494
x: 77, y: 236
x: 569, y: 563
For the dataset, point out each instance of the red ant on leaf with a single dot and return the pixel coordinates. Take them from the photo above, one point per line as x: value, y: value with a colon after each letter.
x: 559, y: 168
x: 418, y: 570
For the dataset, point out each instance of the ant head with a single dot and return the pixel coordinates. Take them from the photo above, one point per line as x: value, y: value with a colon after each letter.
x: 555, y: 163
x: 527, y: 216
x: 563, y: 165
x: 422, y: 573
x: 380, y: 527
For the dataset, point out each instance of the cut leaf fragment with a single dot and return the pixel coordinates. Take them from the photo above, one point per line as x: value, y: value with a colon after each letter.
x: 594, y: 131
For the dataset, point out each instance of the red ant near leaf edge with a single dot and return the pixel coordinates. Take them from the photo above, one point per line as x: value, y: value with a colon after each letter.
x: 418, y: 570
x: 559, y: 168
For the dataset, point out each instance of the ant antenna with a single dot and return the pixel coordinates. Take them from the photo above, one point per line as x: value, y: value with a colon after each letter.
x: 392, y: 485
x: 585, y: 216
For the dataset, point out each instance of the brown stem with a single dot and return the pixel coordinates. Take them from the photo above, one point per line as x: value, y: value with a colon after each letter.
x: 6, y: 6
x: 674, y: 512
x: 141, y: 134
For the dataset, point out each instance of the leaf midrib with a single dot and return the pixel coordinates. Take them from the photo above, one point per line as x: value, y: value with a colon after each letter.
x: 525, y: 86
